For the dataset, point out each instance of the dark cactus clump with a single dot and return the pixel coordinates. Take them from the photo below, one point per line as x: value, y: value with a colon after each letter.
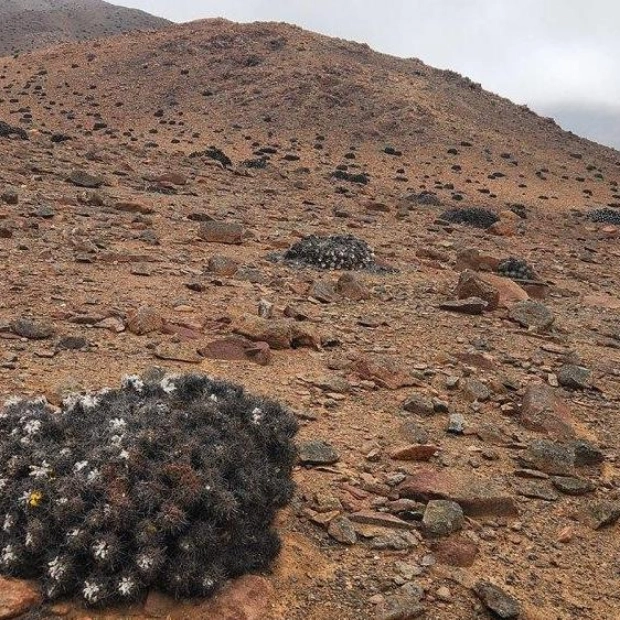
x: 605, y: 216
x: 477, y: 217
x: 337, y: 252
x: 516, y: 269
x: 173, y: 484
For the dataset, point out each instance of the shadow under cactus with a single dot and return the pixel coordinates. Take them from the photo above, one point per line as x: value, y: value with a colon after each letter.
x: 173, y: 484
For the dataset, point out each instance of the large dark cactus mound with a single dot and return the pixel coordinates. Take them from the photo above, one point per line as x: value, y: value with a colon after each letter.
x: 173, y: 484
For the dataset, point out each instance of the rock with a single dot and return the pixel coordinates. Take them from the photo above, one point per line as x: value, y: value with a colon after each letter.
x: 536, y: 490
x: 350, y: 287
x: 574, y: 377
x: 235, y: 348
x: 16, y: 598
x: 173, y: 178
x: 401, y: 607
x: 532, y: 314
x: 456, y: 552
x: 6, y: 232
x: 260, y: 353
x: 278, y: 334
x: 31, y: 329
x: 573, y: 486
x: 342, y: 530
x: 509, y: 292
x: 323, y: 291
x: 501, y: 604
x: 112, y: 323
x: 72, y: 343
x: 384, y: 371
x: 415, y: 452
x: 476, y: 390
x: 469, y: 305
x: 133, y: 207
x: 10, y: 197
x: 413, y: 432
x: 456, y: 424
x: 83, y: 179
x: 381, y: 519
x: 221, y: 232
x: 544, y: 412
x: 476, y: 495
x: 419, y: 405
x: 222, y: 266
x: 587, y: 454
x: 317, y: 452
x: 442, y: 517
x: 503, y: 228
x: 265, y: 309
x: 472, y: 284
x: 602, y: 513
x: 145, y: 320
x: 177, y: 353
x: 549, y: 457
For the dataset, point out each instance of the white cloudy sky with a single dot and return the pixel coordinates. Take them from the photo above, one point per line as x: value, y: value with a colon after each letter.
x: 561, y: 57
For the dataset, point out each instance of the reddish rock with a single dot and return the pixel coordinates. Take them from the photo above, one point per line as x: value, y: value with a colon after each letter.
x: 278, y: 334
x: 384, y: 371
x: 260, y: 353
x: 456, y: 551
x: 171, y: 178
x: 414, y: 452
x: 237, y: 349
x: 16, y: 598
x: 133, y: 207
x: 544, y: 412
x: 503, y: 229
x: 222, y: 266
x: 469, y: 305
x: 350, y: 287
x: 221, y: 232
x: 509, y: 292
x: 472, y: 284
x: 477, y: 496
x: 145, y: 320
x: 323, y: 291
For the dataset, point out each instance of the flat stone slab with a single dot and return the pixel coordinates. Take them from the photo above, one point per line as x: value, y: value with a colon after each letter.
x: 476, y: 495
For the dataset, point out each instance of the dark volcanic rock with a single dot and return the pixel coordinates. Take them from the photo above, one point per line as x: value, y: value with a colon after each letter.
x: 501, y: 604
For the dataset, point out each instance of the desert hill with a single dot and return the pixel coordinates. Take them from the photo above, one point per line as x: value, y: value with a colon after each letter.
x: 29, y: 24
x: 459, y: 431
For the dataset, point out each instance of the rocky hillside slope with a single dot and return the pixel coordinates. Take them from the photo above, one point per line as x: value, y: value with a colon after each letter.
x: 30, y: 24
x: 458, y: 411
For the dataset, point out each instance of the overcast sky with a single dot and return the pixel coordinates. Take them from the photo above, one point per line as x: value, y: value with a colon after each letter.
x: 561, y: 57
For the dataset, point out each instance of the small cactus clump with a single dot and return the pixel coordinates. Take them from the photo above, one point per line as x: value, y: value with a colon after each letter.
x: 605, y: 216
x: 477, y: 217
x: 516, y: 269
x: 170, y: 483
x: 337, y: 252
